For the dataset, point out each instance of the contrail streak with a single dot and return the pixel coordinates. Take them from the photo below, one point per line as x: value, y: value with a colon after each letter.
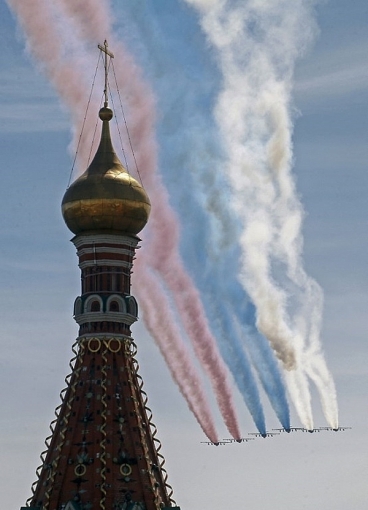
x: 257, y: 44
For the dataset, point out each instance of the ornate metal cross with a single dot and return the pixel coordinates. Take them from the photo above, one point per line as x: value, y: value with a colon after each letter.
x: 111, y: 55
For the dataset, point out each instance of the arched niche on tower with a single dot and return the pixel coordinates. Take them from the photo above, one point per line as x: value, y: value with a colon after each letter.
x: 78, y: 305
x: 93, y: 303
x: 116, y: 303
x: 132, y: 305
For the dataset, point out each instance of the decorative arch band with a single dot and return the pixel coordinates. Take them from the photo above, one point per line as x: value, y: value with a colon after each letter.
x: 113, y: 344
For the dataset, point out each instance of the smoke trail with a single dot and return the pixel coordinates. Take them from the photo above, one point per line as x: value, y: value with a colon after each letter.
x: 315, y: 364
x: 299, y: 391
x: 234, y: 320
x: 227, y: 303
x: 237, y: 361
x: 190, y: 152
x: 93, y: 18
x: 163, y: 256
x: 262, y: 357
x: 257, y: 44
x: 65, y: 70
x: 162, y: 241
x: 157, y: 318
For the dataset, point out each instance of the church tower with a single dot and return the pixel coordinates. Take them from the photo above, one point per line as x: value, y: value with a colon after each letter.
x: 103, y: 453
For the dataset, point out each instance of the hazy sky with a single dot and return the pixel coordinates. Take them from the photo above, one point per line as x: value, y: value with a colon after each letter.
x: 39, y: 276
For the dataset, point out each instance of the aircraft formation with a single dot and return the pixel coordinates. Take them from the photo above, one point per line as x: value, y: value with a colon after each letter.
x: 276, y: 432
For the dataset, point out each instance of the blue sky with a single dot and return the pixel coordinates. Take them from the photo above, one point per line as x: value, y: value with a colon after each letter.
x: 40, y: 279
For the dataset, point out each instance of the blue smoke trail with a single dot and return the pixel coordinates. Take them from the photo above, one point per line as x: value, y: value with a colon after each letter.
x: 227, y: 305
x: 229, y: 309
x: 262, y: 356
x: 190, y: 159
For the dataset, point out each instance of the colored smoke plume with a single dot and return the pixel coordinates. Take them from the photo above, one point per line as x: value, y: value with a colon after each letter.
x: 256, y: 45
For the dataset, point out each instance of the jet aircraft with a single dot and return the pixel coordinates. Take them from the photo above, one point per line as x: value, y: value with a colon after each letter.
x: 337, y: 429
x: 218, y: 443
x: 291, y: 429
x: 240, y: 440
x: 266, y: 434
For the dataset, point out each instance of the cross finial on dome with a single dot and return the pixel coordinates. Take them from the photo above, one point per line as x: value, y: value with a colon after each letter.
x: 111, y: 55
x: 106, y: 197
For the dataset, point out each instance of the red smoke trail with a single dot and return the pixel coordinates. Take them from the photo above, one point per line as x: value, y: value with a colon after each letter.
x: 163, y: 255
x: 93, y: 18
x: 65, y: 73
x: 162, y: 252
x: 157, y: 317
x: 38, y: 23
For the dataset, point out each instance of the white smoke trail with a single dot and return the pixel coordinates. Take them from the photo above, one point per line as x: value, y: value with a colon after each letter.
x: 257, y: 43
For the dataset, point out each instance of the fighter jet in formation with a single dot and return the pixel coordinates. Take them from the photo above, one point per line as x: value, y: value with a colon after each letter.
x: 218, y: 443
x: 290, y: 429
x: 303, y: 429
x: 337, y: 429
x: 240, y: 440
x: 271, y: 434
x: 265, y: 434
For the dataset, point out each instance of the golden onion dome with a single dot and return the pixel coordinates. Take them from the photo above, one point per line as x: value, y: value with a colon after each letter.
x: 105, y: 197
